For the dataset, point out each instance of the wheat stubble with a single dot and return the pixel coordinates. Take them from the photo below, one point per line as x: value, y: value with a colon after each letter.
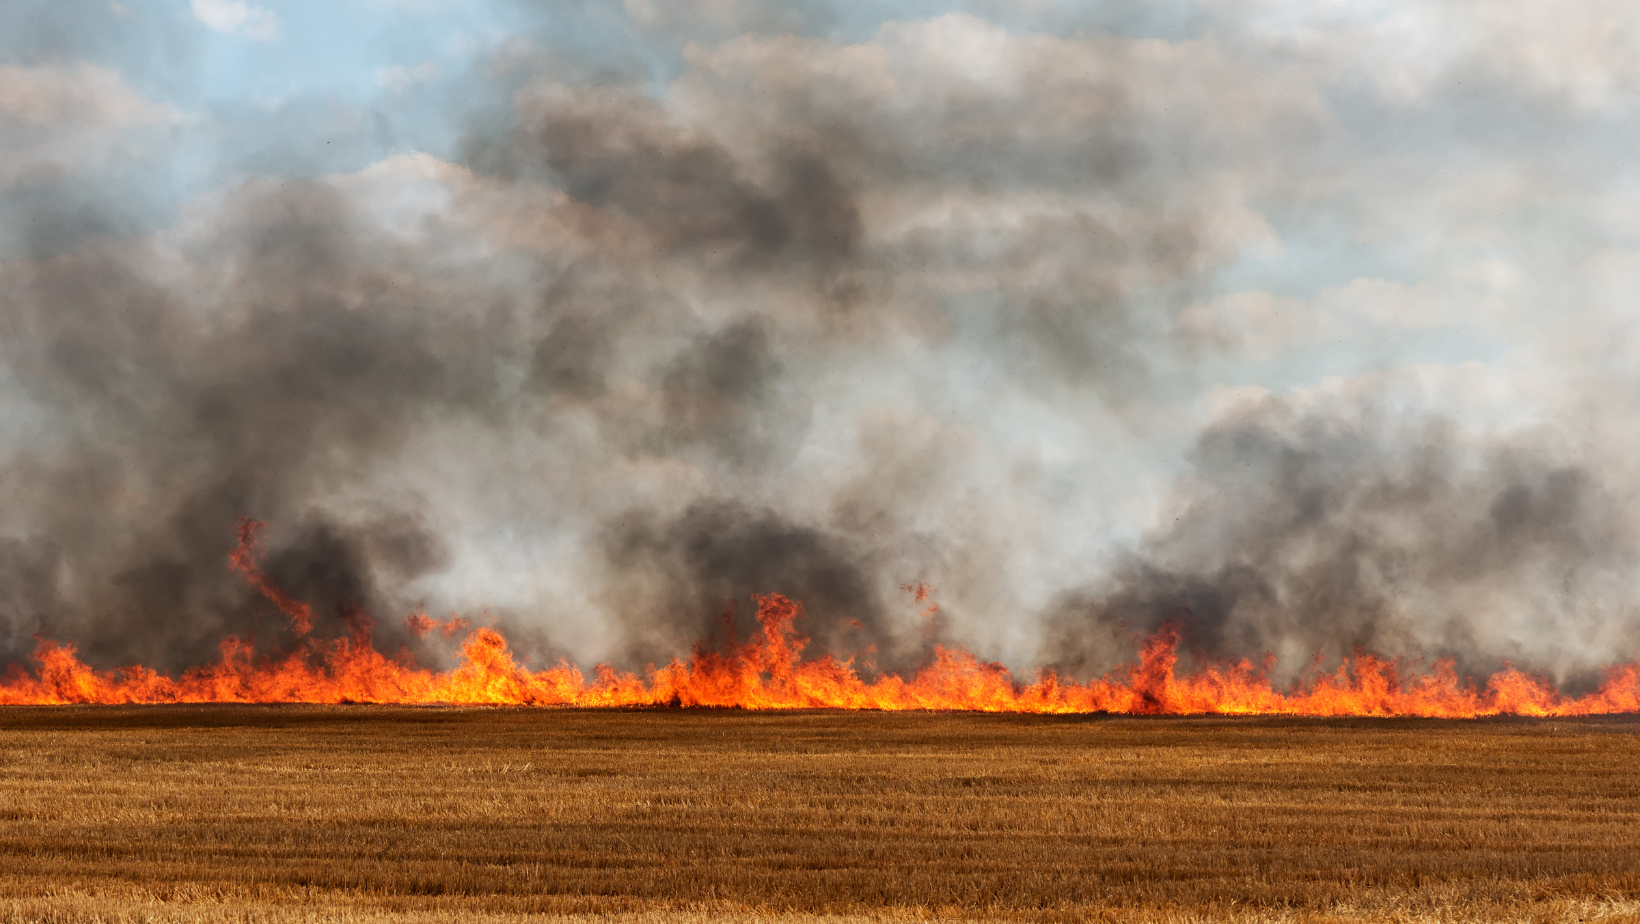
x: 378, y: 814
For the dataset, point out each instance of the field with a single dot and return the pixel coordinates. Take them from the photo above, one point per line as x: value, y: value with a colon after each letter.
x: 373, y: 814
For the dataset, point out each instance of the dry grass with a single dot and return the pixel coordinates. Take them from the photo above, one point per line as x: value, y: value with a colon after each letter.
x: 378, y: 815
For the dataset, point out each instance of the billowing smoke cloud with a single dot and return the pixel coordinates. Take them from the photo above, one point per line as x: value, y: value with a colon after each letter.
x: 1318, y: 532
x: 1088, y: 325
x: 274, y: 369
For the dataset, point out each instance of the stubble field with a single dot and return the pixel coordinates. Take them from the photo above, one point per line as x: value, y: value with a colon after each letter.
x: 373, y: 814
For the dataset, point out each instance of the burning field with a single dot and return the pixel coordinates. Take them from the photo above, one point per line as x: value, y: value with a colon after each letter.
x: 769, y: 671
x: 384, y: 814
x: 931, y: 458
x: 900, y: 799
x: 683, y: 355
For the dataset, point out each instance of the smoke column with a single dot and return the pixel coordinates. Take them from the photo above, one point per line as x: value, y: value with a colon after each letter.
x: 1306, y: 331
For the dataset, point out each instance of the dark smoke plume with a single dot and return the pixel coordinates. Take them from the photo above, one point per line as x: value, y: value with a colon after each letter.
x: 775, y: 307
x: 1322, y: 533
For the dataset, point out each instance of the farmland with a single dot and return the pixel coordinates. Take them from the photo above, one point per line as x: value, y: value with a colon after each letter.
x: 379, y: 814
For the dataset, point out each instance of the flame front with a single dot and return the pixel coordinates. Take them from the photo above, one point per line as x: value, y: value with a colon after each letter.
x: 768, y: 672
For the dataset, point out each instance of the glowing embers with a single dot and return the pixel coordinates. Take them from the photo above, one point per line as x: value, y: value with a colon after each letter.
x: 768, y: 672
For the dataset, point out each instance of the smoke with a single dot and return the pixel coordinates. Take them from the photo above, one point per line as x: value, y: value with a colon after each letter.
x: 618, y: 152
x: 672, y: 575
x: 269, y: 376
x: 1317, y: 532
x: 799, y: 308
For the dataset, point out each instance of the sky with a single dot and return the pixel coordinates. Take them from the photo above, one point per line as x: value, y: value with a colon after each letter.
x: 1309, y: 325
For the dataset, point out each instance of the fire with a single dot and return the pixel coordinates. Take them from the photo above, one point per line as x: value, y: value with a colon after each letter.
x: 768, y: 672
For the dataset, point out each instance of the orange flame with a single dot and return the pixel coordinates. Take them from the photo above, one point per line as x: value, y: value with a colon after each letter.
x: 768, y: 672
x: 246, y: 558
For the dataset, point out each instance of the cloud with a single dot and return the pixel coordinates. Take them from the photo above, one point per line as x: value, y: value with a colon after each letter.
x: 1477, y: 299
x: 398, y: 78
x: 719, y: 18
x: 60, y: 119
x: 77, y: 93
x: 236, y: 17
x: 1584, y: 55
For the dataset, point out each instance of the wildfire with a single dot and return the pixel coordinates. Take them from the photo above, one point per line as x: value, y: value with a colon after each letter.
x: 768, y: 672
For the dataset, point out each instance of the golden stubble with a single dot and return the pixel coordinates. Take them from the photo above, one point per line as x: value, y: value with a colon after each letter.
x: 380, y: 814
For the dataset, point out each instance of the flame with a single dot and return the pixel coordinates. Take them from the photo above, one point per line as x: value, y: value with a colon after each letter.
x: 768, y: 672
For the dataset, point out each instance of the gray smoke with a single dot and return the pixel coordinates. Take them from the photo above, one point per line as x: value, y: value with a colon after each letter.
x: 763, y: 303
x: 1312, y: 534
x: 170, y: 415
